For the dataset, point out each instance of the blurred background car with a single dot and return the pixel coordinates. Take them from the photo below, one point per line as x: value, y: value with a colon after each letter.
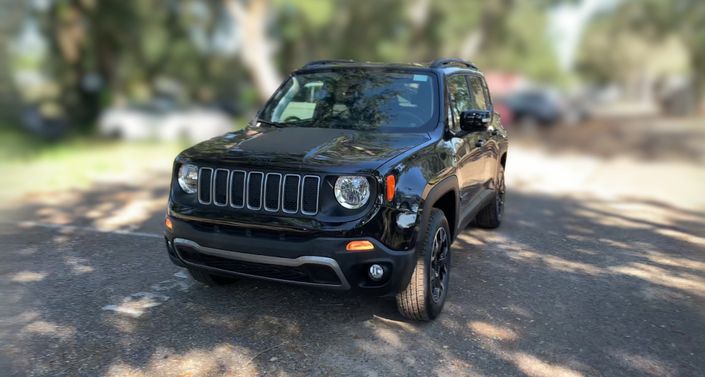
x: 163, y: 120
x: 535, y: 106
x: 545, y: 107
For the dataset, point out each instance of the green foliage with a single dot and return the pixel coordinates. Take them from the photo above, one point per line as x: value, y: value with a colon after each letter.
x: 139, y: 49
x: 525, y: 46
x: 641, y: 34
x: 73, y: 164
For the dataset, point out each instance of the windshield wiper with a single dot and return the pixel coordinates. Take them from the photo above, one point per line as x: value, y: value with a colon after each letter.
x: 273, y: 124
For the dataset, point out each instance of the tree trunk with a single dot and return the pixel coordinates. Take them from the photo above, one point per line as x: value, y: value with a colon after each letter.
x: 698, y: 65
x: 257, y: 50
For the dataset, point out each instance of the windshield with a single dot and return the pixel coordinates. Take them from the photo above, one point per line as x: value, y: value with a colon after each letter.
x: 356, y: 99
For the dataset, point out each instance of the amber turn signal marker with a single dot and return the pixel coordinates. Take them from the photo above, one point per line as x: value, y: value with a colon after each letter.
x: 391, y: 187
x: 359, y: 246
x: 169, y: 225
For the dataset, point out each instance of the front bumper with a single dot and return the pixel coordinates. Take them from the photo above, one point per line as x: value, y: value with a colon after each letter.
x: 310, y: 260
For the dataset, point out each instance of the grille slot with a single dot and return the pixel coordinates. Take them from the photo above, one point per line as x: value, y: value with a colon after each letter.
x: 272, y: 185
x: 204, y: 185
x: 220, y: 187
x: 309, y: 195
x: 259, y: 191
x: 237, y: 188
x: 254, y: 190
x: 290, y: 196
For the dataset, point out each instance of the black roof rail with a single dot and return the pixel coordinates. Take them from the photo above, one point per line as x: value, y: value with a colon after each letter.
x: 328, y: 61
x: 451, y: 61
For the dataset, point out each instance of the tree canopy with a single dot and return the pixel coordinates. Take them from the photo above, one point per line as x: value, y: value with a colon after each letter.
x: 235, y: 52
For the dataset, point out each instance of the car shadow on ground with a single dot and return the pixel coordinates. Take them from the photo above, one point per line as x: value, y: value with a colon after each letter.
x: 567, y: 286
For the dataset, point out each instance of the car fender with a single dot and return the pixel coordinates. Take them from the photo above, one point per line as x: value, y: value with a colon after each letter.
x: 439, y: 189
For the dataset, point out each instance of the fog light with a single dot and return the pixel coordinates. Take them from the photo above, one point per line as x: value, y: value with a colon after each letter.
x: 376, y: 272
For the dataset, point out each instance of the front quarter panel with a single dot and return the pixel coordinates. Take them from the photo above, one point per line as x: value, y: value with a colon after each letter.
x: 417, y: 174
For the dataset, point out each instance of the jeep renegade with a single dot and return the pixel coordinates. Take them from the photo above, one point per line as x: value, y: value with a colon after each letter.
x: 353, y: 176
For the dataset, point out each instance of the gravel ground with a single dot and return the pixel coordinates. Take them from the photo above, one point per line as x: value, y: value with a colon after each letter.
x: 599, y: 269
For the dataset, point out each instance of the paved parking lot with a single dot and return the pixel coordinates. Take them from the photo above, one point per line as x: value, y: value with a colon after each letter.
x: 599, y: 269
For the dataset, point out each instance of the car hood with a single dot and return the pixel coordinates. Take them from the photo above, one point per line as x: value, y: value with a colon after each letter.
x: 304, y: 148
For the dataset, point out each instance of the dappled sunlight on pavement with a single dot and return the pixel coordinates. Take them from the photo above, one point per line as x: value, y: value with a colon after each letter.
x: 223, y: 359
x: 493, y: 332
x: 28, y: 276
x: 118, y: 207
x: 584, y: 277
x: 535, y: 367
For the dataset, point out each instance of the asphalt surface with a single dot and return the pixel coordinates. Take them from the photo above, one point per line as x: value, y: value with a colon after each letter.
x: 579, y: 280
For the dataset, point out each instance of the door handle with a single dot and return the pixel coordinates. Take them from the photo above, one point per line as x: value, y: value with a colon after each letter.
x: 479, y: 143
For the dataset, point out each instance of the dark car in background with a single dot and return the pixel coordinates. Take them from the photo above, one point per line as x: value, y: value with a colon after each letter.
x: 544, y: 107
x: 540, y: 107
x: 353, y: 177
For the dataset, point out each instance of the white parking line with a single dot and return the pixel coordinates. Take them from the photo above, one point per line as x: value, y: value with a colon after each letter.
x: 74, y: 228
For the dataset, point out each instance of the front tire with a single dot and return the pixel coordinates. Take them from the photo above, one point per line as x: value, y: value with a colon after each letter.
x: 209, y: 279
x: 424, y: 296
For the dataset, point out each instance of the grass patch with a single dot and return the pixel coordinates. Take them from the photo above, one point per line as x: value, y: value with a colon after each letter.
x: 30, y: 165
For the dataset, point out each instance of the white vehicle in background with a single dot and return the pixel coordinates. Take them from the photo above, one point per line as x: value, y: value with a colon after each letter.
x: 165, y: 121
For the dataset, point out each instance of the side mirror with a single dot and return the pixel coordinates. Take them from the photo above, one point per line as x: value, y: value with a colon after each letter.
x: 475, y: 120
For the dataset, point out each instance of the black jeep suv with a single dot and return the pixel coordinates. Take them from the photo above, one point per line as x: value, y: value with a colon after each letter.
x: 353, y: 176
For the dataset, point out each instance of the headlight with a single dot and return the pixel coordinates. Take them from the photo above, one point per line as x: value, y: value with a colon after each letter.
x: 352, y: 192
x: 188, y: 178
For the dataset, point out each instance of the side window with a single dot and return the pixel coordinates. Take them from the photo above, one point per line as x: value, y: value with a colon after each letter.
x: 486, y: 90
x: 459, y: 98
x: 480, y: 99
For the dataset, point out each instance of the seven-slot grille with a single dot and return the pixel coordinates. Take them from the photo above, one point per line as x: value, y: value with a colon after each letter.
x: 259, y: 191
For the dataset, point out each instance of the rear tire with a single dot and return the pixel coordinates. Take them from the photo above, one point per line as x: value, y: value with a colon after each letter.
x: 210, y: 279
x: 424, y: 296
x: 490, y: 217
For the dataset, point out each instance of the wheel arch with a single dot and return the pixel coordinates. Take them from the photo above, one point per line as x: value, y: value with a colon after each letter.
x: 443, y: 196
